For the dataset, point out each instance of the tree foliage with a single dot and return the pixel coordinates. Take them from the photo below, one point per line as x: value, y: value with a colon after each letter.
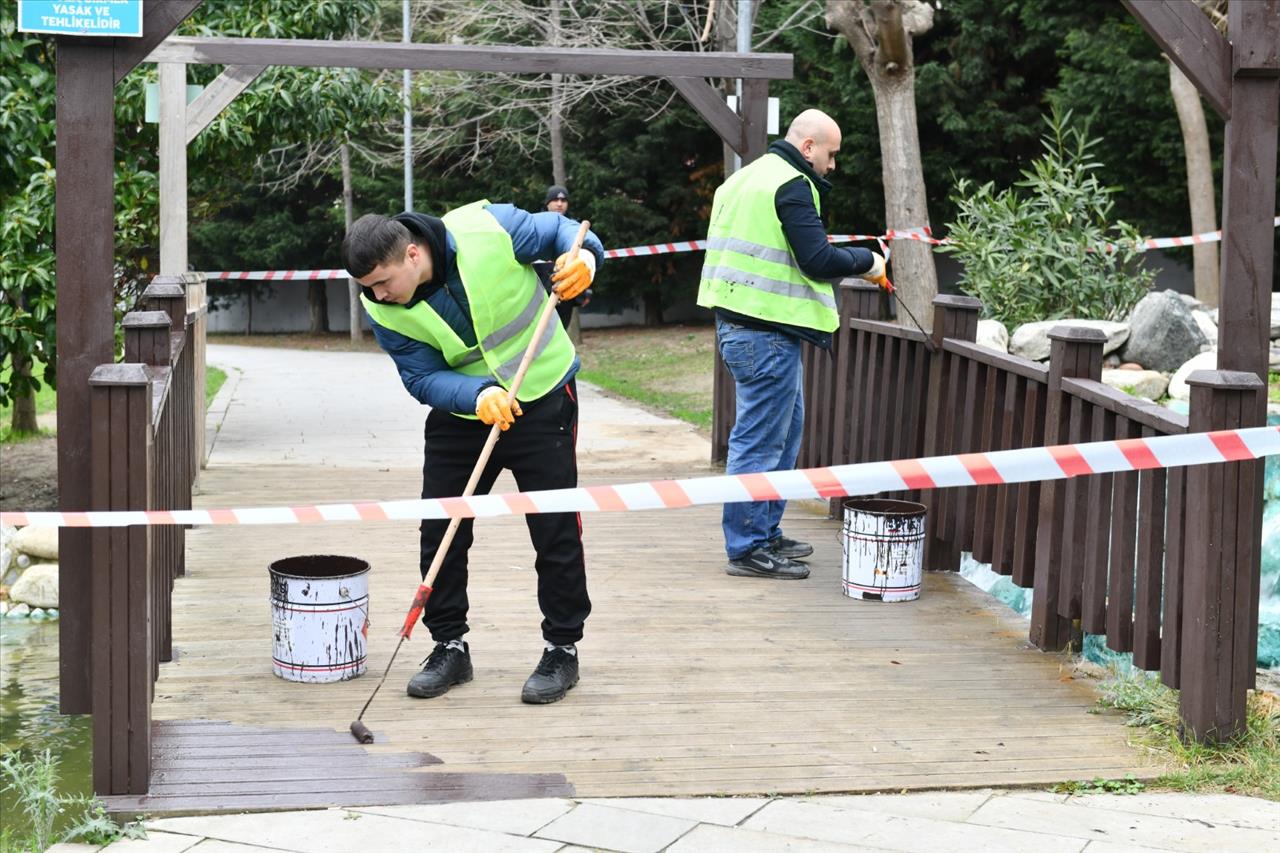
x: 284, y: 107
x: 27, y: 329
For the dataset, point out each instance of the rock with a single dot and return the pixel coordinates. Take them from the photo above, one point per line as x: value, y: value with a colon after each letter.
x: 7, y: 550
x: 993, y: 335
x: 39, y: 542
x: 1178, y: 387
x: 18, y: 611
x: 1148, y: 384
x: 38, y: 586
x: 1191, y: 302
x: 22, y: 561
x: 1111, y: 361
x: 1031, y: 340
x: 1207, y: 325
x: 1130, y: 365
x: 1163, y: 334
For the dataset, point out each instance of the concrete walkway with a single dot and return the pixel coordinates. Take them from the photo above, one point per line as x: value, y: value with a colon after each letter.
x: 270, y: 393
x: 954, y: 822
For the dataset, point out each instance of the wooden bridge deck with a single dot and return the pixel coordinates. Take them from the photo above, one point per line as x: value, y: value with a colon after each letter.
x: 693, y: 682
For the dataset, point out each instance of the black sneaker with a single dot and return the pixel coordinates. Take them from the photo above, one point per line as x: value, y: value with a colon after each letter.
x: 764, y: 563
x: 444, y: 667
x: 554, y: 675
x: 790, y: 549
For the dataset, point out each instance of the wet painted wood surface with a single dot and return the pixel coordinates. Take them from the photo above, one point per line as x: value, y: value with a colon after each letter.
x: 693, y: 682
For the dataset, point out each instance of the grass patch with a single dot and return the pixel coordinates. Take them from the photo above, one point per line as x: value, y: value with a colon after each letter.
x: 1249, y: 765
x: 46, y: 401
x: 1273, y: 387
x: 213, y: 379
x: 667, y: 368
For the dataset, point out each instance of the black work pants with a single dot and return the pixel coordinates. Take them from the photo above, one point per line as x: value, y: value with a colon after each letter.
x: 539, y: 451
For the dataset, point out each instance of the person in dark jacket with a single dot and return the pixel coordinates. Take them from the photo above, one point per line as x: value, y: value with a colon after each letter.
x: 455, y: 304
x: 557, y: 201
x: 767, y: 274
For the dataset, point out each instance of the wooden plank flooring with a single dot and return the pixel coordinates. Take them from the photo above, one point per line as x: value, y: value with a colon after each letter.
x: 693, y: 682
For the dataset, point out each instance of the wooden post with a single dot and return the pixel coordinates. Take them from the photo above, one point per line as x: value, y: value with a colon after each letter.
x: 953, y: 317
x: 121, y: 650
x: 1076, y: 353
x: 146, y: 337
x: 84, y: 251
x: 1249, y: 189
x: 1222, y: 569
x: 173, y: 168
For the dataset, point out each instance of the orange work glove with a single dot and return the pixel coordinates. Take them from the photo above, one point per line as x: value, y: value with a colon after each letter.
x: 573, y: 278
x: 495, y: 406
x: 876, y: 275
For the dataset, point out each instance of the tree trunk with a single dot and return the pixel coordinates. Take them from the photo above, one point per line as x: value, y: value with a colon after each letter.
x: 905, y: 205
x: 557, y: 106
x: 24, y: 403
x: 881, y: 37
x: 652, y: 308
x: 318, y: 302
x: 575, y: 327
x: 1195, y: 143
x: 348, y: 210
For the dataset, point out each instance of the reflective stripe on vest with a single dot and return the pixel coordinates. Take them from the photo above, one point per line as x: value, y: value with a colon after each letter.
x: 506, y: 299
x: 749, y: 268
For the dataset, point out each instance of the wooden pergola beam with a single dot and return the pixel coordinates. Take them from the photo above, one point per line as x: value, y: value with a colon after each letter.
x: 316, y: 53
x: 1192, y: 43
x: 218, y: 95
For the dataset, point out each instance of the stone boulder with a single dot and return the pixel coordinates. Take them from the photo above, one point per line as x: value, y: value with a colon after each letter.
x: 1163, y: 333
x: 1031, y: 340
x: 1178, y: 387
x: 1207, y: 325
x: 37, y: 587
x: 993, y: 335
x: 39, y: 542
x: 1148, y: 384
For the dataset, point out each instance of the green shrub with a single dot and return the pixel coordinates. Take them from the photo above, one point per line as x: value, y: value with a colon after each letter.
x: 1048, y: 252
x: 34, y: 782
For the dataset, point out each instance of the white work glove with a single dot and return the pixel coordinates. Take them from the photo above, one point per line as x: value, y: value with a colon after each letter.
x: 875, y: 275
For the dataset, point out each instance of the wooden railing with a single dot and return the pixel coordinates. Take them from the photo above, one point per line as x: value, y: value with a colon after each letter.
x: 142, y: 457
x: 1164, y: 562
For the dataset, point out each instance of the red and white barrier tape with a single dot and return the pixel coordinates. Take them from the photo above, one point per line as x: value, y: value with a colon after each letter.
x: 1029, y: 464
x: 923, y: 234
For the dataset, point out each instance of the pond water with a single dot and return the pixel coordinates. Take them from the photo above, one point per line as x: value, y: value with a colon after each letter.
x: 29, y: 718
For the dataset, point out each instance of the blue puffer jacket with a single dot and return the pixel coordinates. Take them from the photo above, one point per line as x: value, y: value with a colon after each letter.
x: 425, y: 373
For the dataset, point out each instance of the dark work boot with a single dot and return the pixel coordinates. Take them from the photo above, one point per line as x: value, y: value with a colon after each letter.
x: 764, y: 563
x: 554, y: 675
x: 790, y: 549
x: 446, y: 666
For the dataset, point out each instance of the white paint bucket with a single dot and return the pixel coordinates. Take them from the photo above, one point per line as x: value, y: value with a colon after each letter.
x: 883, y: 544
x: 319, y: 617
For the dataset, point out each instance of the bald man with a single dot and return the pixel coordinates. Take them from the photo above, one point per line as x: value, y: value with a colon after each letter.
x: 768, y: 275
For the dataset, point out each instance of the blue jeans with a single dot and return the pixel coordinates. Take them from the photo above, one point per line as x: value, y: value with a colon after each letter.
x: 768, y: 377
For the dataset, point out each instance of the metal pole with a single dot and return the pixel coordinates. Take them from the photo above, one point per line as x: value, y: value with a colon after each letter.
x: 406, y: 37
x: 744, y: 46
